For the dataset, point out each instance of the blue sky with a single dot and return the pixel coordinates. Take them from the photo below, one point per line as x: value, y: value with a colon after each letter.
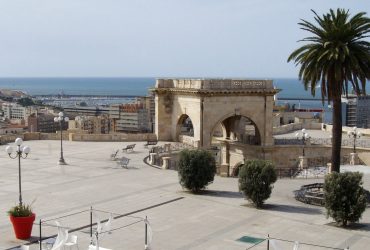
x: 171, y: 38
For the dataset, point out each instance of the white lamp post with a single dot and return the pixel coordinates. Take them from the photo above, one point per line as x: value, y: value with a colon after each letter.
x: 61, y: 118
x: 21, y: 152
x: 354, y: 134
x: 304, y: 136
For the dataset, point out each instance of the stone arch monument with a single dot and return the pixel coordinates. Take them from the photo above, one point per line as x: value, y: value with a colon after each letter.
x: 209, y: 102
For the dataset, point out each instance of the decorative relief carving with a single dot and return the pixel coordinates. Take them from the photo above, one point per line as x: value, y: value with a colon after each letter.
x: 167, y: 102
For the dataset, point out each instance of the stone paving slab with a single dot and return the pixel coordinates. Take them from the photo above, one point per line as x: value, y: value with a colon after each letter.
x: 212, y: 220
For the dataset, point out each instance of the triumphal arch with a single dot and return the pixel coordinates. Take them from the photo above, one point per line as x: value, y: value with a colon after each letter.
x: 201, y: 112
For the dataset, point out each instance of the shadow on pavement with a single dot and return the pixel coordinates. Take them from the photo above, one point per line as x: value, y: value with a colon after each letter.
x: 353, y: 226
x: 224, y: 194
x: 292, y: 209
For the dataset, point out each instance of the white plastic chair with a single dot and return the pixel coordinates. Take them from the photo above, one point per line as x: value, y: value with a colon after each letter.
x: 24, y: 247
x: 72, y: 242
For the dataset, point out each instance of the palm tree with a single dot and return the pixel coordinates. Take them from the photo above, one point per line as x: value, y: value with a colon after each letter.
x: 335, y: 56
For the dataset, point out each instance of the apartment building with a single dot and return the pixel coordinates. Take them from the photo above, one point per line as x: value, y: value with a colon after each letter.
x: 356, y: 111
x: 44, y: 122
x: 93, y: 124
x: 17, y: 113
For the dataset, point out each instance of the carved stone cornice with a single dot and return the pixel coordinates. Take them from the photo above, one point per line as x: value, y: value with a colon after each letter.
x: 218, y: 92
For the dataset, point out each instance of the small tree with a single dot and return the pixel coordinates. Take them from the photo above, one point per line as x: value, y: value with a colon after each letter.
x: 255, y: 180
x: 345, y: 198
x: 197, y: 169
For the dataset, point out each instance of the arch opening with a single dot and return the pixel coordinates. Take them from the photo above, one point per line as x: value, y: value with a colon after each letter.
x: 237, y: 128
x: 185, y: 126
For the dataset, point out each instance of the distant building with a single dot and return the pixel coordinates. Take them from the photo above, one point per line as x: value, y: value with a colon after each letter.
x: 92, y: 124
x: 73, y: 111
x: 356, y: 111
x: 41, y: 122
x: 135, y: 117
x: 15, y: 112
x: 131, y: 117
x: 12, y: 129
x: 285, y: 115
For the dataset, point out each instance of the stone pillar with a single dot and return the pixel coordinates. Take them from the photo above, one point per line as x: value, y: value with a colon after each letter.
x: 152, y: 158
x: 167, y: 147
x: 353, y: 159
x: 225, y: 159
x: 224, y: 170
x: 303, y: 162
x: 166, y: 162
x: 329, y: 168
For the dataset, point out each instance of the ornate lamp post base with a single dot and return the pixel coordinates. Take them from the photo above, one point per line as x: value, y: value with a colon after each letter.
x: 353, y: 159
x: 62, y: 162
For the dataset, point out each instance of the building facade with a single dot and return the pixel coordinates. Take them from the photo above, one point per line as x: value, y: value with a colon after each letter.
x: 44, y: 123
x: 15, y: 112
x: 356, y: 111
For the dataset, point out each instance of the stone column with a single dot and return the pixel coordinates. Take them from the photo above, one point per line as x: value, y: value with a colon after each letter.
x: 353, y: 159
x: 225, y: 159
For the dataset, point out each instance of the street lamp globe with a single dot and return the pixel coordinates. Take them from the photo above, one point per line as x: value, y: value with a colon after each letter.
x: 66, y: 119
x: 26, y: 150
x: 18, y: 141
x: 9, y: 150
x: 60, y: 114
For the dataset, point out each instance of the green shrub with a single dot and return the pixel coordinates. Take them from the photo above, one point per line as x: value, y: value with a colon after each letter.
x: 21, y: 210
x: 345, y: 198
x: 255, y: 180
x: 197, y: 169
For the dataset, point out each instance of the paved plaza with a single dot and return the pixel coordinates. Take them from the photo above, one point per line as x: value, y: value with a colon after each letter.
x: 179, y: 220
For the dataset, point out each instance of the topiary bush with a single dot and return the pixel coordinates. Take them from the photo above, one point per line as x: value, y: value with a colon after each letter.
x: 256, y: 179
x: 345, y: 198
x: 196, y: 168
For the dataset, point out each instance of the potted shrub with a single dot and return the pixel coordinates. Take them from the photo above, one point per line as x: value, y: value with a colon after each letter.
x: 22, y: 219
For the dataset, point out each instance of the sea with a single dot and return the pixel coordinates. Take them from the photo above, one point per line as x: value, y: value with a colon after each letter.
x: 292, y: 90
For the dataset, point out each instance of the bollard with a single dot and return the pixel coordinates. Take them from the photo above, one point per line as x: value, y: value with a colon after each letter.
x: 40, y: 239
x: 146, y: 233
x: 268, y: 242
x: 91, y: 222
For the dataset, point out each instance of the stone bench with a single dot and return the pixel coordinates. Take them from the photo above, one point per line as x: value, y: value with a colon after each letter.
x: 123, y: 162
x: 150, y: 143
x: 129, y: 148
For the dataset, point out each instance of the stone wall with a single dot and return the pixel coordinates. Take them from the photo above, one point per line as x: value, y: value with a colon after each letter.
x: 78, y: 137
x: 112, y: 137
x: 345, y: 129
x: 8, y: 138
x: 295, y: 126
x: 286, y: 156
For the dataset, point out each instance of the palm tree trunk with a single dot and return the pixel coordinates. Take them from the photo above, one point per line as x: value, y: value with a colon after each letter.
x: 336, y: 133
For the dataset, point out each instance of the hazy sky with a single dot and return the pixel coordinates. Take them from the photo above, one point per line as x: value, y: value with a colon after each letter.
x: 178, y: 38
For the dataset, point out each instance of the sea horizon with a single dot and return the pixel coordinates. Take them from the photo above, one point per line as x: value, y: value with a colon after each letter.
x: 291, y: 87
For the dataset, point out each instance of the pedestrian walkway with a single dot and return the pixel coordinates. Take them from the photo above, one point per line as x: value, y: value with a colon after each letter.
x: 212, y: 220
